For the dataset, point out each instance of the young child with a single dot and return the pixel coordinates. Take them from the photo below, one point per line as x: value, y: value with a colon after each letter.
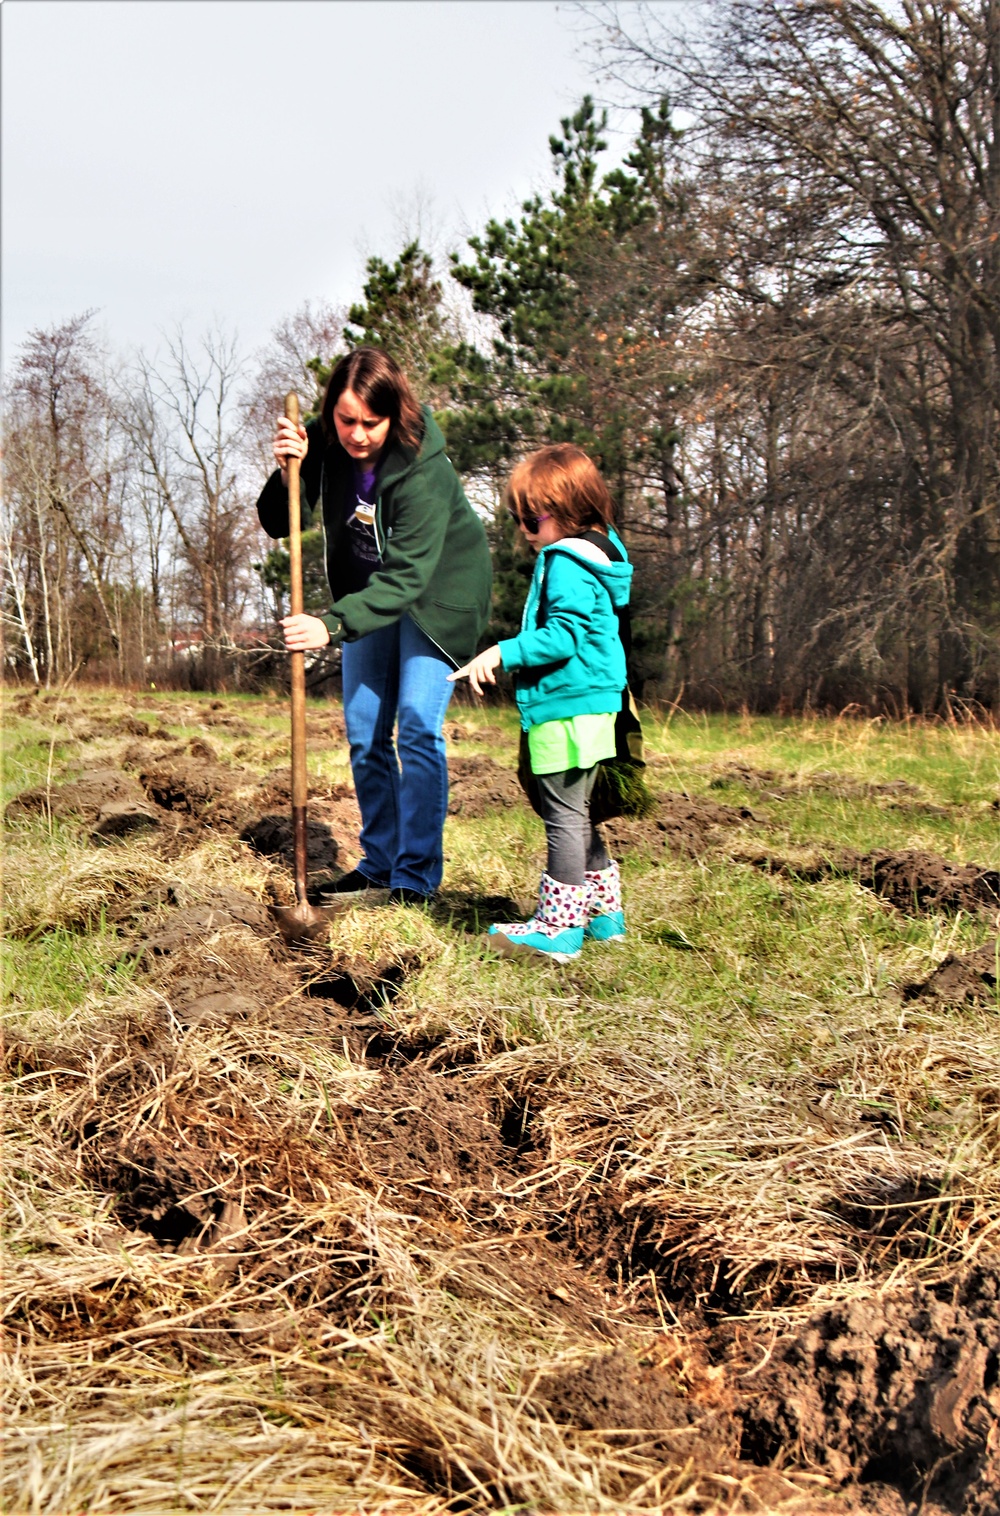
x: 568, y: 665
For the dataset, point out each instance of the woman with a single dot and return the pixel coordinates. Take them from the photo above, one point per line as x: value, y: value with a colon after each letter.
x: 409, y: 571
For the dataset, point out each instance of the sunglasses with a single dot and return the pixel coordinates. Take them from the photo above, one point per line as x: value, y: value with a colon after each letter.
x: 529, y: 522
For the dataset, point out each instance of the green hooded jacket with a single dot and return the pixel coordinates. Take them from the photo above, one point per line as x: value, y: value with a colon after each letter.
x: 435, y: 560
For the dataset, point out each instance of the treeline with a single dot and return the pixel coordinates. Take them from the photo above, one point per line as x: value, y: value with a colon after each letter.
x: 777, y: 329
x: 131, y: 546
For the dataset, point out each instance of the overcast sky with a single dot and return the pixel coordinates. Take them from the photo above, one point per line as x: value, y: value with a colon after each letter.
x: 203, y: 160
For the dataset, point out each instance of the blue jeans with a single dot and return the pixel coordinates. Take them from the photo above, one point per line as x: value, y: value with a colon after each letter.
x: 398, y: 672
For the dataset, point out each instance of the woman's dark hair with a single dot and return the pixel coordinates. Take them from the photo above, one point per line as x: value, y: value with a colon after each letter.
x: 379, y: 382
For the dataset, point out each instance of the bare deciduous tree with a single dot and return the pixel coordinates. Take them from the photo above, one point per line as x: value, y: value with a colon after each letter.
x: 848, y: 169
x: 63, y: 497
x: 188, y: 428
x: 300, y: 347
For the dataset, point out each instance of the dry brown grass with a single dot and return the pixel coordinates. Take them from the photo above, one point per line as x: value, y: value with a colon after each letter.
x: 315, y: 1347
x: 270, y: 1250
x: 338, y: 1344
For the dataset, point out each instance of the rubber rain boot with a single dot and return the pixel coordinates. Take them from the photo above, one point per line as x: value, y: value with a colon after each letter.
x: 605, y: 918
x: 555, y: 930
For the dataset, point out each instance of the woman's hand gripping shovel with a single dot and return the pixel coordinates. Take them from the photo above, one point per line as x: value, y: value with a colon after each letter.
x: 299, y: 923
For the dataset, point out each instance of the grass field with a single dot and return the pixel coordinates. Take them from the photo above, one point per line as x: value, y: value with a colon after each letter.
x: 706, y: 1221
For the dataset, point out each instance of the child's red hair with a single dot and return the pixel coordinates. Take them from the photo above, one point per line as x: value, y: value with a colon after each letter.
x: 561, y: 481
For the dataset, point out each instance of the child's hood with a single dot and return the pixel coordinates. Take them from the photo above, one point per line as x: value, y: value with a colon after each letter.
x: 616, y: 577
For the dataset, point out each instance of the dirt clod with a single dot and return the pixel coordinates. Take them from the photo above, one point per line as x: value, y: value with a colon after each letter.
x: 777, y: 786
x: 232, y: 724
x: 432, y: 1140
x: 902, y: 1390
x: 120, y: 818
x: 679, y: 823
x: 456, y: 731
x: 219, y: 1008
x: 273, y: 836
x: 357, y: 985
x: 85, y: 797
x: 962, y: 979
x: 225, y: 909
x: 914, y: 881
x: 917, y: 882
x: 192, y: 786
x: 615, y: 1391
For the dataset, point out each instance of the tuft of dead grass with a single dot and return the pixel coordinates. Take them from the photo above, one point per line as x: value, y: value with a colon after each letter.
x: 72, y: 885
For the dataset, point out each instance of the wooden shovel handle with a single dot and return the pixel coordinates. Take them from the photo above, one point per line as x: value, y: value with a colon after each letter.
x: 300, y: 792
x: 294, y: 512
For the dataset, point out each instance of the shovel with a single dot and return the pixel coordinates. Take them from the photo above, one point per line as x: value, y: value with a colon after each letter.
x: 301, y: 922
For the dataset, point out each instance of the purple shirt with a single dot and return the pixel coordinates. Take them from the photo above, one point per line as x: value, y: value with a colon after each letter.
x: 360, y: 512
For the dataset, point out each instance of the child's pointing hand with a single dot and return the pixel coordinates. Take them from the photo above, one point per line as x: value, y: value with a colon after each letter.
x: 480, y: 670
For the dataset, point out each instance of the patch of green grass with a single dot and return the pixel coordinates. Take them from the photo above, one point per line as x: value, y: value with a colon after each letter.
x: 58, y: 970
x: 788, y: 985
x: 31, y: 758
x: 957, y: 769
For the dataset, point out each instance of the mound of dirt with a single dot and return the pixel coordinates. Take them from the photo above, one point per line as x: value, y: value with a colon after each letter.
x: 615, y: 1391
x: 194, y: 786
x: 455, y: 732
x: 918, y: 882
x: 339, y: 811
x: 325, y: 731
x: 225, y: 908
x: 962, y: 979
x: 233, y: 724
x: 275, y: 789
x: 902, y: 1390
x: 679, y: 823
x: 120, y: 818
x: 477, y: 786
x: 360, y: 986
x: 808, y: 866
x: 217, y: 1008
x: 140, y: 755
x: 430, y: 1137
x: 117, y: 726
x: 85, y: 797
x: 913, y: 881
x: 164, y: 1200
x: 333, y: 823
x: 777, y: 786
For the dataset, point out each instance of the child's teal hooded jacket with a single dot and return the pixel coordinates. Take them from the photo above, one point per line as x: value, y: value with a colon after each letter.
x: 568, y: 659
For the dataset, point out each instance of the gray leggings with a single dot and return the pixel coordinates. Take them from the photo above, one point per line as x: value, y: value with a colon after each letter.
x: 574, y: 842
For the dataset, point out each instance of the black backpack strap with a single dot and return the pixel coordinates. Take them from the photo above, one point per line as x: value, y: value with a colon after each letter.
x: 601, y: 540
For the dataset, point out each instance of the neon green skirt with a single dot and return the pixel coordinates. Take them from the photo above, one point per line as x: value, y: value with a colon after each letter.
x: 574, y: 742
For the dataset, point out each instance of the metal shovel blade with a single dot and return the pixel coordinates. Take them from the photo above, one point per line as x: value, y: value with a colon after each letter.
x: 303, y: 922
